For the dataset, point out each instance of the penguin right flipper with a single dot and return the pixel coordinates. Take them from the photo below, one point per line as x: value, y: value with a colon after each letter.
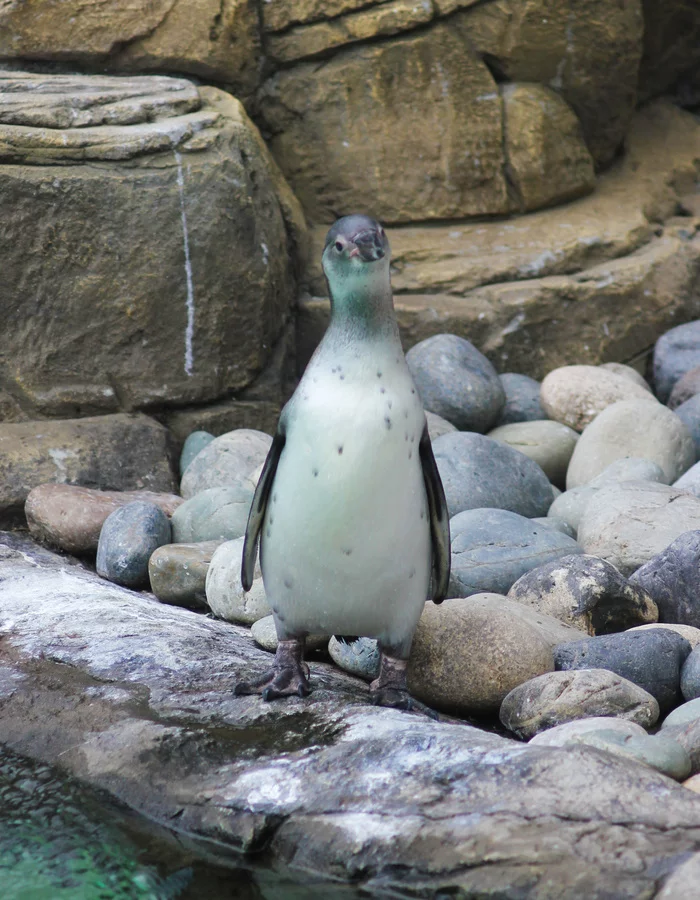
x: 258, y: 507
x: 439, y: 519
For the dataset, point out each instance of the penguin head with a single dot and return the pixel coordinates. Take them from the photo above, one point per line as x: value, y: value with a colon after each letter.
x: 356, y: 250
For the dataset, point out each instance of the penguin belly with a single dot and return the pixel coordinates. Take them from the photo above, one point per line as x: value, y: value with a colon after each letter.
x: 345, y: 546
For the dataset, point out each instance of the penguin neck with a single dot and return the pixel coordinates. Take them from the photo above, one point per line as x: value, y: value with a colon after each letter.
x: 363, y: 313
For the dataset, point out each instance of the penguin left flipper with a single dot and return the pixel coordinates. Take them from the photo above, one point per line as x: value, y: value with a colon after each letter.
x: 259, y: 505
x: 439, y: 519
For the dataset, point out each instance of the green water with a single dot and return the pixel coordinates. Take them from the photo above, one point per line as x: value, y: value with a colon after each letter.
x: 62, y: 841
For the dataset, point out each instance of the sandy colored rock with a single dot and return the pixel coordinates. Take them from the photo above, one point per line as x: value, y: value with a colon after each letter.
x: 557, y: 697
x: 71, y: 517
x: 112, y: 453
x: 588, y: 53
x: 550, y: 444
x: 574, y: 395
x: 547, y: 158
x: 178, y: 573
x: 467, y: 654
x: 229, y: 459
x: 626, y: 372
x: 423, y: 97
x: 585, y: 592
x: 631, y: 522
x: 218, y: 41
x: 224, y: 591
x: 155, y: 324
x: 638, y: 428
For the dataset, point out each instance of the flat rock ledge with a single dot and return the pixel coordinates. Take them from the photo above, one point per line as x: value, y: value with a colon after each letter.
x: 135, y: 697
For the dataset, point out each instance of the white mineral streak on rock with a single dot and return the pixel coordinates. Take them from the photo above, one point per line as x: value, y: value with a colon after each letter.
x: 189, y: 330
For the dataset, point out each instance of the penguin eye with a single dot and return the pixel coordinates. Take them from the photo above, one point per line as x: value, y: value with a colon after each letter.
x: 338, y: 246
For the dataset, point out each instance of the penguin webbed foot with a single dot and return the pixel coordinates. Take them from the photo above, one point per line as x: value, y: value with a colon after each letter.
x: 389, y: 688
x: 288, y: 676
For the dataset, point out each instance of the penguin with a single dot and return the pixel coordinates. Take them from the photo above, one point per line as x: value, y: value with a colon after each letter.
x: 349, y: 513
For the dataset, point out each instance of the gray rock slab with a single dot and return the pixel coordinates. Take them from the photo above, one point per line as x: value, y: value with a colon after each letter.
x: 683, y: 882
x: 687, y: 734
x: 522, y: 399
x: 478, y: 472
x: 632, y: 522
x: 632, y: 428
x: 456, y: 381
x: 651, y: 659
x: 112, y: 453
x: 671, y: 579
x: 163, y: 733
x: 128, y: 538
x: 675, y: 353
x: 585, y: 592
x: 550, y: 444
x: 555, y: 698
x: 492, y: 548
x: 228, y: 459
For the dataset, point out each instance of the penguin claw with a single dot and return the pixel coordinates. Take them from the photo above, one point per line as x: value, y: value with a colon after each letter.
x: 397, y: 699
x: 288, y: 676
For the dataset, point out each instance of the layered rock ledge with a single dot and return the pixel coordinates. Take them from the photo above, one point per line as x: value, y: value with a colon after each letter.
x: 135, y: 697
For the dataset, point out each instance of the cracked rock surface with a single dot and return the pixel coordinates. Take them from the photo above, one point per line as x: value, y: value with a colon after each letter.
x: 136, y: 698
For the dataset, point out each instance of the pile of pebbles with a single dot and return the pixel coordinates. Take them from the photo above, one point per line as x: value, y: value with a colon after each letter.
x: 574, y: 610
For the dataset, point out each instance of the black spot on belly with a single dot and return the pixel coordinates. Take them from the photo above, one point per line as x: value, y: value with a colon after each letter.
x: 405, y: 414
x: 288, y: 583
x: 274, y: 498
x: 271, y: 520
x: 388, y: 403
x: 382, y: 390
x: 422, y: 514
x: 410, y: 454
x: 268, y: 532
x: 346, y: 552
x: 342, y: 377
x: 340, y: 450
x: 413, y: 390
x: 405, y: 437
x: 387, y: 422
x: 315, y: 473
x: 379, y: 374
x: 412, y: 573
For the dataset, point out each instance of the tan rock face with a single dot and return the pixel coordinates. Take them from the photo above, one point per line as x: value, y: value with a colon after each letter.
x: 213, y: 39
x: 115, y: 293
x: 548, y: 160
x: 589, y: 52
x: 71, y: 517
x: 574, y: 395
x: 410, y: 129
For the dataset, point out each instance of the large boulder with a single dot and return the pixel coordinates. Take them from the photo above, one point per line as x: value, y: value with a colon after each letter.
x: 215, y: 41
x: 120, y: 300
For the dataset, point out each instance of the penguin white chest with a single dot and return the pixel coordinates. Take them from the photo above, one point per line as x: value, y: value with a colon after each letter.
x: 345, y: 546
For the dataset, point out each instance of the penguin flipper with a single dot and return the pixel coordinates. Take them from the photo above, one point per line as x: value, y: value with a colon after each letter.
x: 439, y: 519
x: 257, y: 509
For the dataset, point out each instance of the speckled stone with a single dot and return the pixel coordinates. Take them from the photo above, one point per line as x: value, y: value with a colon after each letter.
x: 626, y: 372
x: 557, y: 697
x: 586, y: 593
x: 226, y: 460
x: 568, y: 732
x: 683, y: 714
x: 575, y: 395
x: 682, y: 883
x: 437, y: 426
x: 478, y: 472
x: 651, y: 659
x: 522, y: 399
x: 128, y: 538
x: 71, y: 517
x: 632, y: 522
x: 549, y: 444
x: 264, y: 634
x: 492, y: 548
x: 657, y: 751
x: 456, y: 381
x: 632, y: 428
x: 687, y: 386
x: 359, y: 657
x: 224, y: 591
x: 178, y: 573
x: 675, y: 353
x: 556, y: 523
x: 219, y: 513
x: 689, y: 413
x: 194, y: 442
x: 671, y: 579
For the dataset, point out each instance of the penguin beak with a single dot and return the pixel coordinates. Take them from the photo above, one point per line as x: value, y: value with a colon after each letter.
x: 369, y: 245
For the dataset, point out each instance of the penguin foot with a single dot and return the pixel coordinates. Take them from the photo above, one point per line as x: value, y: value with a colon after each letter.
x: 389, y: 688
x: 289, y: 675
